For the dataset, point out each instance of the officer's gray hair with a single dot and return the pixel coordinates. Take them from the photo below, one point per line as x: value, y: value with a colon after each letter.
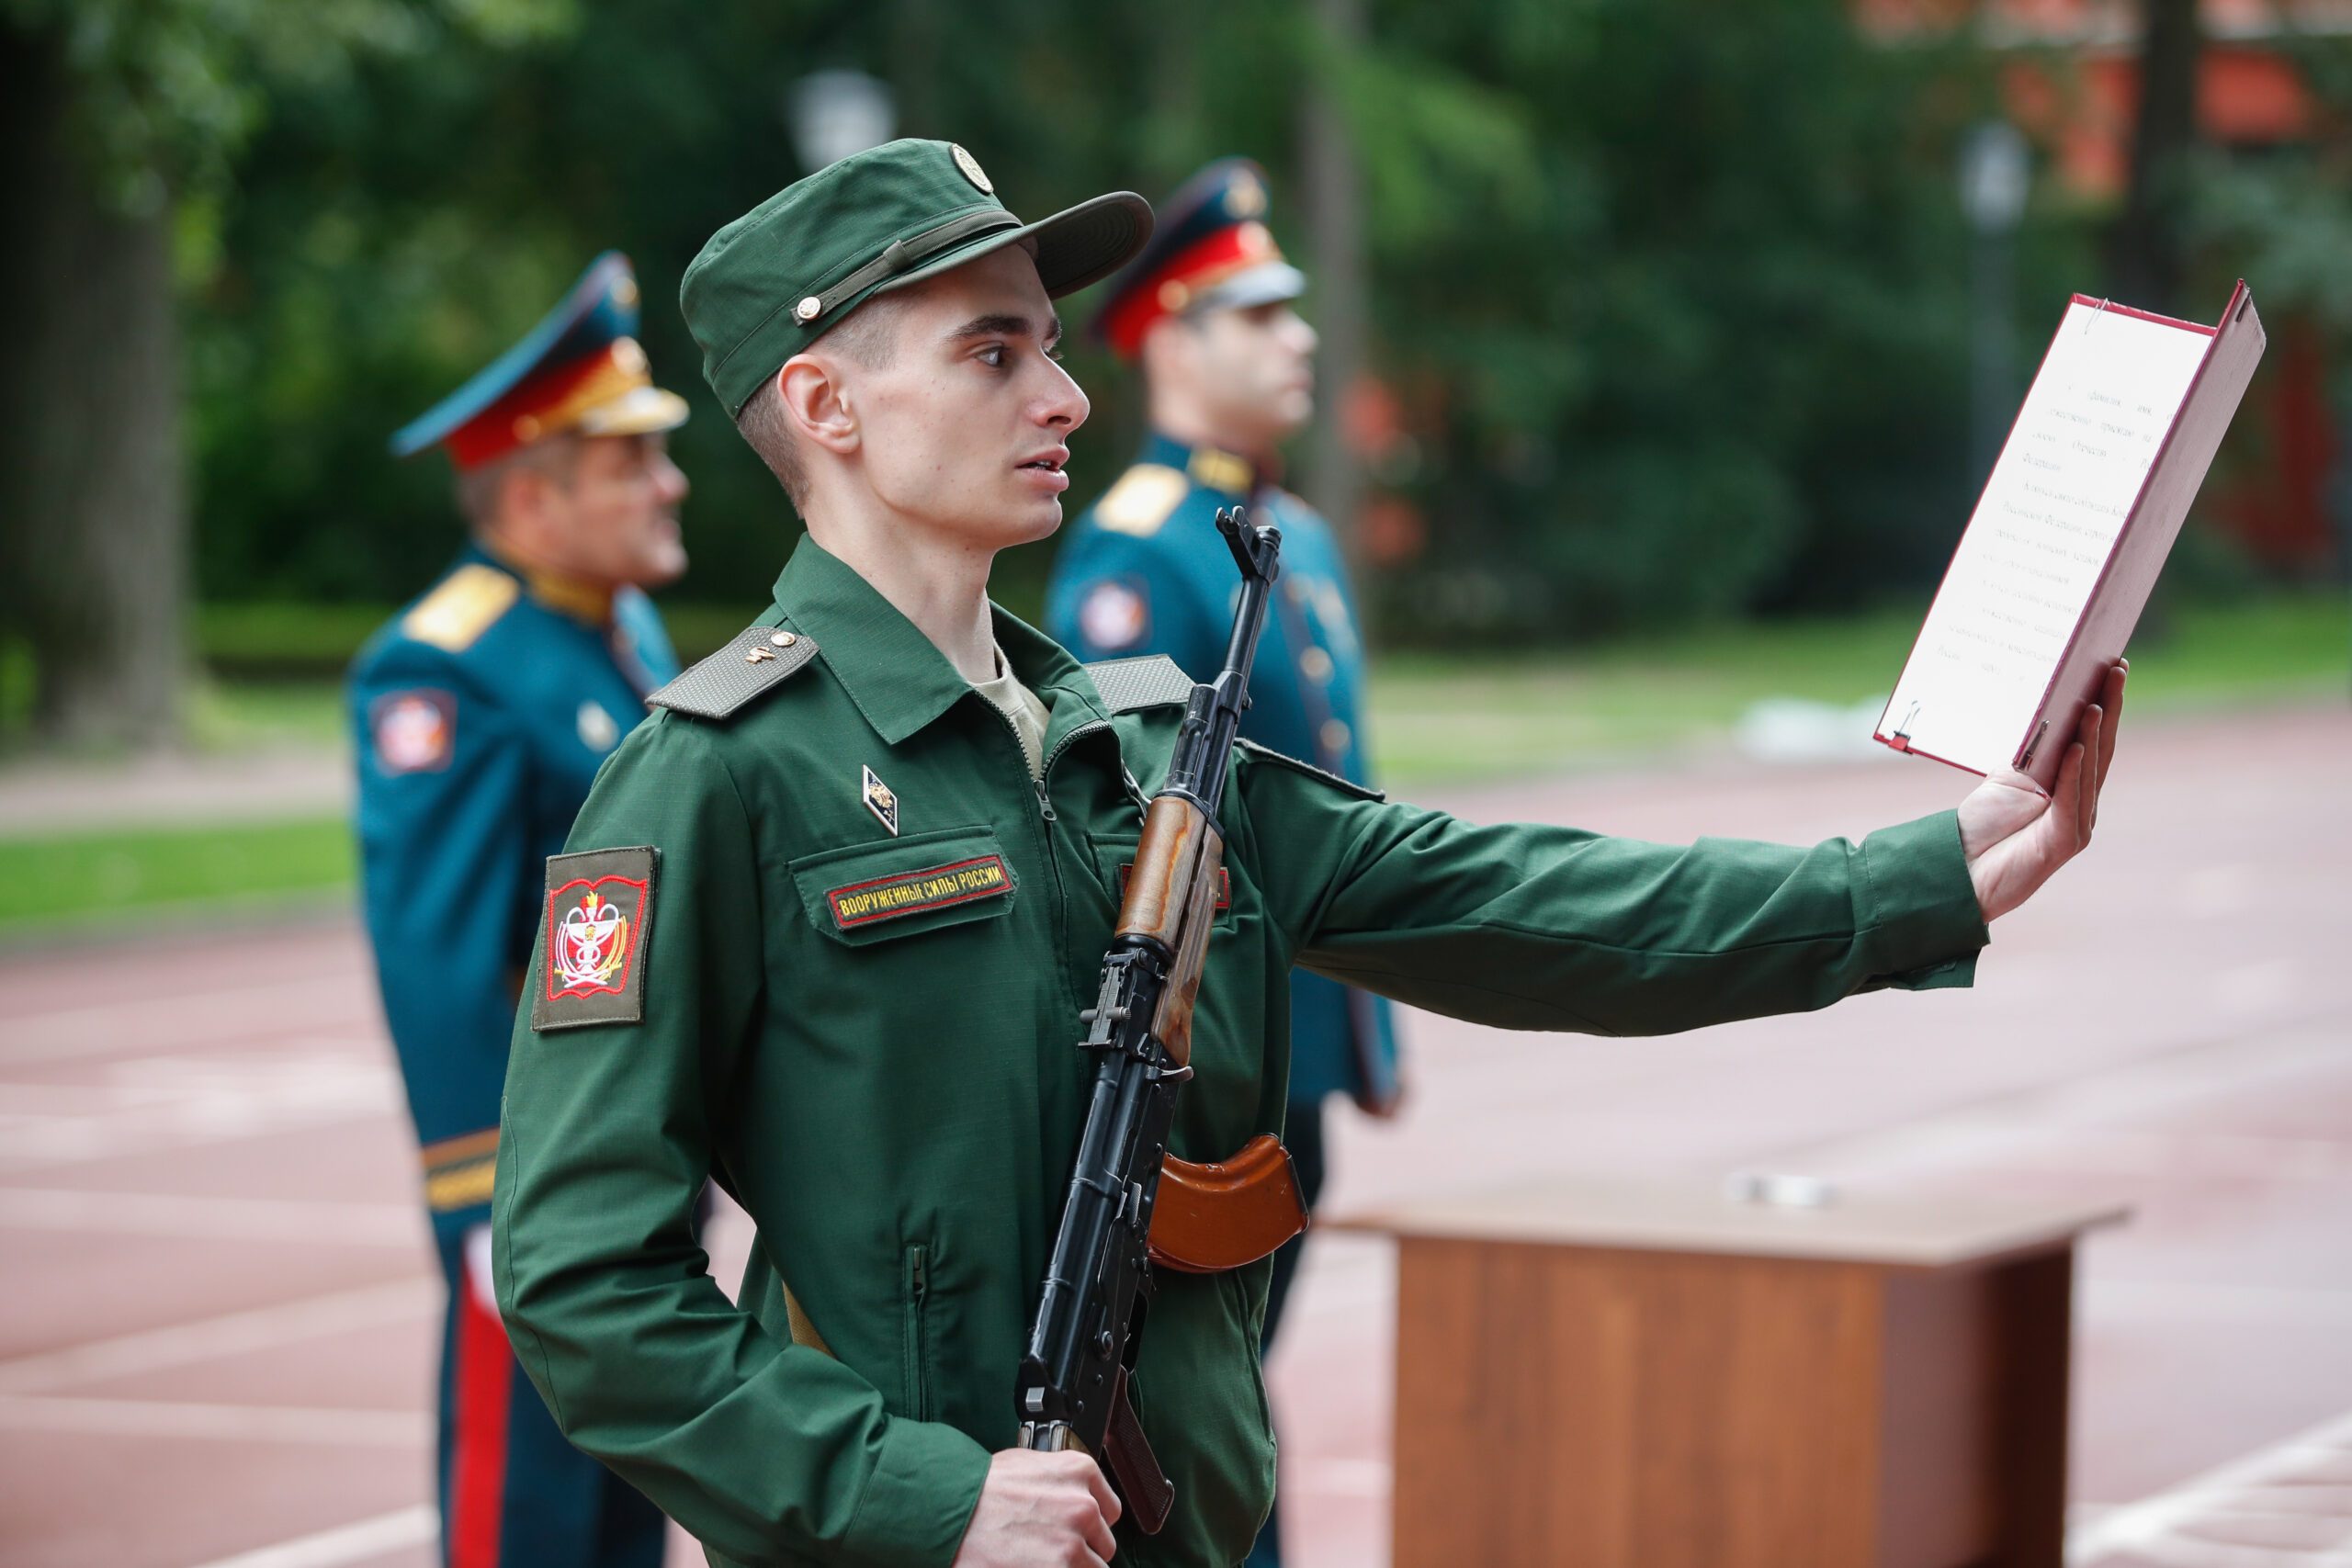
x: 479, y: 490
x: 869, y: 336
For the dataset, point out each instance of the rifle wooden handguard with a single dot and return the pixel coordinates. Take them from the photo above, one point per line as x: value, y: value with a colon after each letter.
x: 1210, y: 1218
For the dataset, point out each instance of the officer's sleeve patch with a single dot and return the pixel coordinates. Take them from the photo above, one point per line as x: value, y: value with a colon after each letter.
x: 599, y: 923
x: 1115, y: 614
x: 414, y: 731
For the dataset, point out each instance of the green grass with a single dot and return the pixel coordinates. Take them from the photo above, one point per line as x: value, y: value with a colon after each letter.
x: 192, y: 872
x: 1434, y: 717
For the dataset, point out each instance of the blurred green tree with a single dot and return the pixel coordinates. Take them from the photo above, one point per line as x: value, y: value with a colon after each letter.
x: 1706, y: 354
x: 120, y: 124
x: 1671, y: 293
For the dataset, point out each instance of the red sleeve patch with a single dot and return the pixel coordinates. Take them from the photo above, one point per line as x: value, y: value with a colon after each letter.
x: 599, y: 920
x: 414, y: 731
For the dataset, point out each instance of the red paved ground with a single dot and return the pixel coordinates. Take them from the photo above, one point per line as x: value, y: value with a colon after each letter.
x: 215, y: 1343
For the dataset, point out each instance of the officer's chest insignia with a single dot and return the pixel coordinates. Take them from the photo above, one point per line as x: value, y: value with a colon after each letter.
x: 1114, y: 615
x: 1142, y: 500
x: 881, y: 800
x: 414, y: 732
x: 599, y: 920
x: 598, y: 730
x: 912, y: 892
x: 466, y: 605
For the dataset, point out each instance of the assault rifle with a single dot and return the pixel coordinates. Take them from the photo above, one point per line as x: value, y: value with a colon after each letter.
x: 1131, y: 1204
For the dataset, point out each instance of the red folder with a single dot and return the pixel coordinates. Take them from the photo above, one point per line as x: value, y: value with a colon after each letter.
x: 2034, y: 597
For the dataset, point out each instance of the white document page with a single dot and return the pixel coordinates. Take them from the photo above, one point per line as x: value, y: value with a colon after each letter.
x: 2024, y: 571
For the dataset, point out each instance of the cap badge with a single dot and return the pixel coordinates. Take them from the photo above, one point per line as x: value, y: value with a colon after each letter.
x: 1245, y: 198
x: 881, y: 800
x: 971, y: 167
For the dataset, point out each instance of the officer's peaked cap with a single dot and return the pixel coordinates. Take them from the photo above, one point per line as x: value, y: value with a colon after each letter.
x: 579, y: 370
x: 1212, y: 249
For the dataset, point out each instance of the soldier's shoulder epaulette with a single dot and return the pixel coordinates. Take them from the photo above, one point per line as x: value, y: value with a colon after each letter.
x: 1146, y: 497
x: 756, y: 662
x: 464, y: 605
x: 1148, y: 680
x: 1284, y: 758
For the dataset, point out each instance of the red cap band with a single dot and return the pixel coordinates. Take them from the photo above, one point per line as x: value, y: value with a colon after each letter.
x: 1189, y: 274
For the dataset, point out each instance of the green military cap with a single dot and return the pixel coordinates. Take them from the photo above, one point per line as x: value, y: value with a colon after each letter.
x: 769, y: 284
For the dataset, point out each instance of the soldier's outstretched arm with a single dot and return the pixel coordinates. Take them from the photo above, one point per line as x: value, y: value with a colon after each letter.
x: 626, y: 1043
x: 1528, y: 926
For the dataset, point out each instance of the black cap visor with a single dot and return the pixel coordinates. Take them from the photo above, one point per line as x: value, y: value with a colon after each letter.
x: 1073, y: 248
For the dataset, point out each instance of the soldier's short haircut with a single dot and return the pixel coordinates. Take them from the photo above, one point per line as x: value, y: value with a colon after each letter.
x: 869, y: 336
x: 479, y: 489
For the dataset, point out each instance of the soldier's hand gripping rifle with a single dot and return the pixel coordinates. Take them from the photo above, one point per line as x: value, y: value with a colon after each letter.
x: 1071, y: 1392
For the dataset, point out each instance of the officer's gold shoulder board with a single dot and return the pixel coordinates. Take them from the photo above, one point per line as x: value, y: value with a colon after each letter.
x: 466, y: 604
x: 1144, y: 498
x: 756, y: 661
x: 599, y: 926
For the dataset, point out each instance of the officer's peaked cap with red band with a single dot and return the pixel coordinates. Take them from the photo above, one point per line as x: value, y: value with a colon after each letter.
x: 1212, y: 248
x: 580, y: 369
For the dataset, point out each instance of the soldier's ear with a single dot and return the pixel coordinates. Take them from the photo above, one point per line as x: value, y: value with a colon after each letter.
x: 815, y: 402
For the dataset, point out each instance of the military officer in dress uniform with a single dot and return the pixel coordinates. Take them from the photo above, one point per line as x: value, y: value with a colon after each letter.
x: 1229, y: 375
x: 480, y: 717
x: 826, y: 922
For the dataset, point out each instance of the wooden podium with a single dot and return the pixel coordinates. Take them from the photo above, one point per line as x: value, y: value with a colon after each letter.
x: 1608, y: 1375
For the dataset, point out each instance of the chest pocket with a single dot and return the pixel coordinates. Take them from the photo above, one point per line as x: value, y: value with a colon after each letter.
x: 870, y: 893
x: 1114, y: 859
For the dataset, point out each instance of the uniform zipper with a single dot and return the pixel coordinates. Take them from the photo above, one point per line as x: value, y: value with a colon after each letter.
x: 918, y: 1370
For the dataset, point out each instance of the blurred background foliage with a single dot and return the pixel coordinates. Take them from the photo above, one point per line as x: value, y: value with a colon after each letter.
x: 1669, y: 310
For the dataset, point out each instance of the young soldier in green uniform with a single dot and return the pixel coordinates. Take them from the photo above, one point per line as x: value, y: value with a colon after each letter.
x: 826, y: 921
x: 1229, y: 373
x: 481, y: 714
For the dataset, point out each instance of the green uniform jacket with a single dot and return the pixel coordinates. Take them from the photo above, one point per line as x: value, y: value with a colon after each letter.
x: 868, y: 1037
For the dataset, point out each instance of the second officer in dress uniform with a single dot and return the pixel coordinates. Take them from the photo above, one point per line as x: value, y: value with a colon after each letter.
x: 1228, y: 372
x: 481, y: 715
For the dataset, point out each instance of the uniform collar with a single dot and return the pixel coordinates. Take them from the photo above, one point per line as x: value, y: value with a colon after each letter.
x: 897, y: 679
x: 1211, y: 467
x: 587, y: 603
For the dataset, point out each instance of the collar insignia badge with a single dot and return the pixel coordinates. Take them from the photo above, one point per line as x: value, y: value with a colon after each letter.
x: 881, y: 800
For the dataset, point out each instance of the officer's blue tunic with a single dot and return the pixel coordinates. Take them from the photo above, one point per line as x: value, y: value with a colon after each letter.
x: 480, y: 716
x: 1128, y: 583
